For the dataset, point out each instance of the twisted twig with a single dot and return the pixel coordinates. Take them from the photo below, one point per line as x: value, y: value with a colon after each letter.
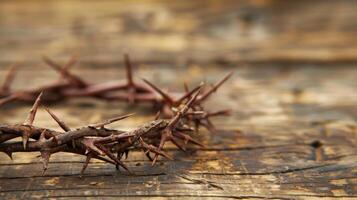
x: 172, y: 123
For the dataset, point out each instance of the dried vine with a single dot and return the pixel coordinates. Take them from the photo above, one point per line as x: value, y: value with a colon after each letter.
x: 173, y: 123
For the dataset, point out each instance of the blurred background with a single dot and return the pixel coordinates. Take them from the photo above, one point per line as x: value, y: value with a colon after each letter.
x: 293, y: 93
x: 226, y: 31
x: 292, y: 60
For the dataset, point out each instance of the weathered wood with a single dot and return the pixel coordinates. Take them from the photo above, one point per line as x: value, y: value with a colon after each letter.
x: 292, y: 135
x: 158, y: 31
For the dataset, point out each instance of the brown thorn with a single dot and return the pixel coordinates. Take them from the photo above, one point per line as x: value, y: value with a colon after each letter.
x: 189, y: 93
x: 52, y: 64
x: 89, y: 157
x: 113, y: 157
x: 147, y: 154
x: 215, y: 87
x: 8, y: 79
x: 88, y: 142
x: 31, y: 116
x: 62, y: 125
x: 183, y: 111
x: 211, y: 126
x: 207, y: 126
x: 8, y: 99
x: 59, y: 122
x: 29, y: 121
x: 219, y: 113
x: 43, y: 135
x: 177, y: 144
x: 64, y: 72
x: 155, y: 159
x: 112, y: 120
x: 85, y: 165
x: 163, y: 140
x: 72, y: 61
x: 185, y: 86
x: 157, y: 116
x: 188, y: 138
x: 152, y: 148
x: 166, y: 96
x: 129, y: 70
x: 126, y: 154
x: 54, y: 138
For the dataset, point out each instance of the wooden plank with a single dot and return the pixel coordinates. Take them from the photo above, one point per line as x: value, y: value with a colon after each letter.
x: 326, y: 181
x: 180, y: 31
x: 292, y: 135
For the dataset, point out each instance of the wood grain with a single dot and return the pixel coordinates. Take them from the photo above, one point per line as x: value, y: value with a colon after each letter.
x: 293, y: 130
x: 292, y: 135
x: 180, y: 31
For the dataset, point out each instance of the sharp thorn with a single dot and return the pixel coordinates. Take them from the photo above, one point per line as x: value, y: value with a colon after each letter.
x: 189, y: 93
x: 109, y: 121
x: 183, y: 111
x: 129, y: 70
x: 215, y: 87
x: 31, y: 116
x: 157, y: 116
x: 8, y: 79
x: 59, y: 122
x: 166, y: 96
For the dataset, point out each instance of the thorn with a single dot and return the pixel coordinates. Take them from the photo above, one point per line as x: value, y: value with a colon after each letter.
x: 185, y: 86
x: 54, y: 138
x: 109, y: 121
x: 147, y: 154
x: 88, y: 142
x: 189, y: 93
x: 183, y: 111
x: 25, y: 138
x: 8, y: 79
x: 59, y: 122
x: 7, y: 99
x: 129, y: 70
x: 52, y: 64
x: 188, y: 138
x: 64, y: 72
x: 151, y: 148
x: 177, y: 144
x: 29, y: 120
x: 215, y: 87
x: 85, y: 165
x: 157, y: 116
x: 208, y: 126
x: 155, y: 159
x: 219, y: 113
x: 166, y: 96
x: 212, y: 128
x: 131, y: 95
x: 126, y: 154
x: 31, y: 116
x: 114, y: 158
x: 72, y: 61
x: 164, y: 137
x: 43, y: 136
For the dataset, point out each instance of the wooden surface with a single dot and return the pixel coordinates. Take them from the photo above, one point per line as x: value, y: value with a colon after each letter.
x: 292, y: 133
x: 158, y: 31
